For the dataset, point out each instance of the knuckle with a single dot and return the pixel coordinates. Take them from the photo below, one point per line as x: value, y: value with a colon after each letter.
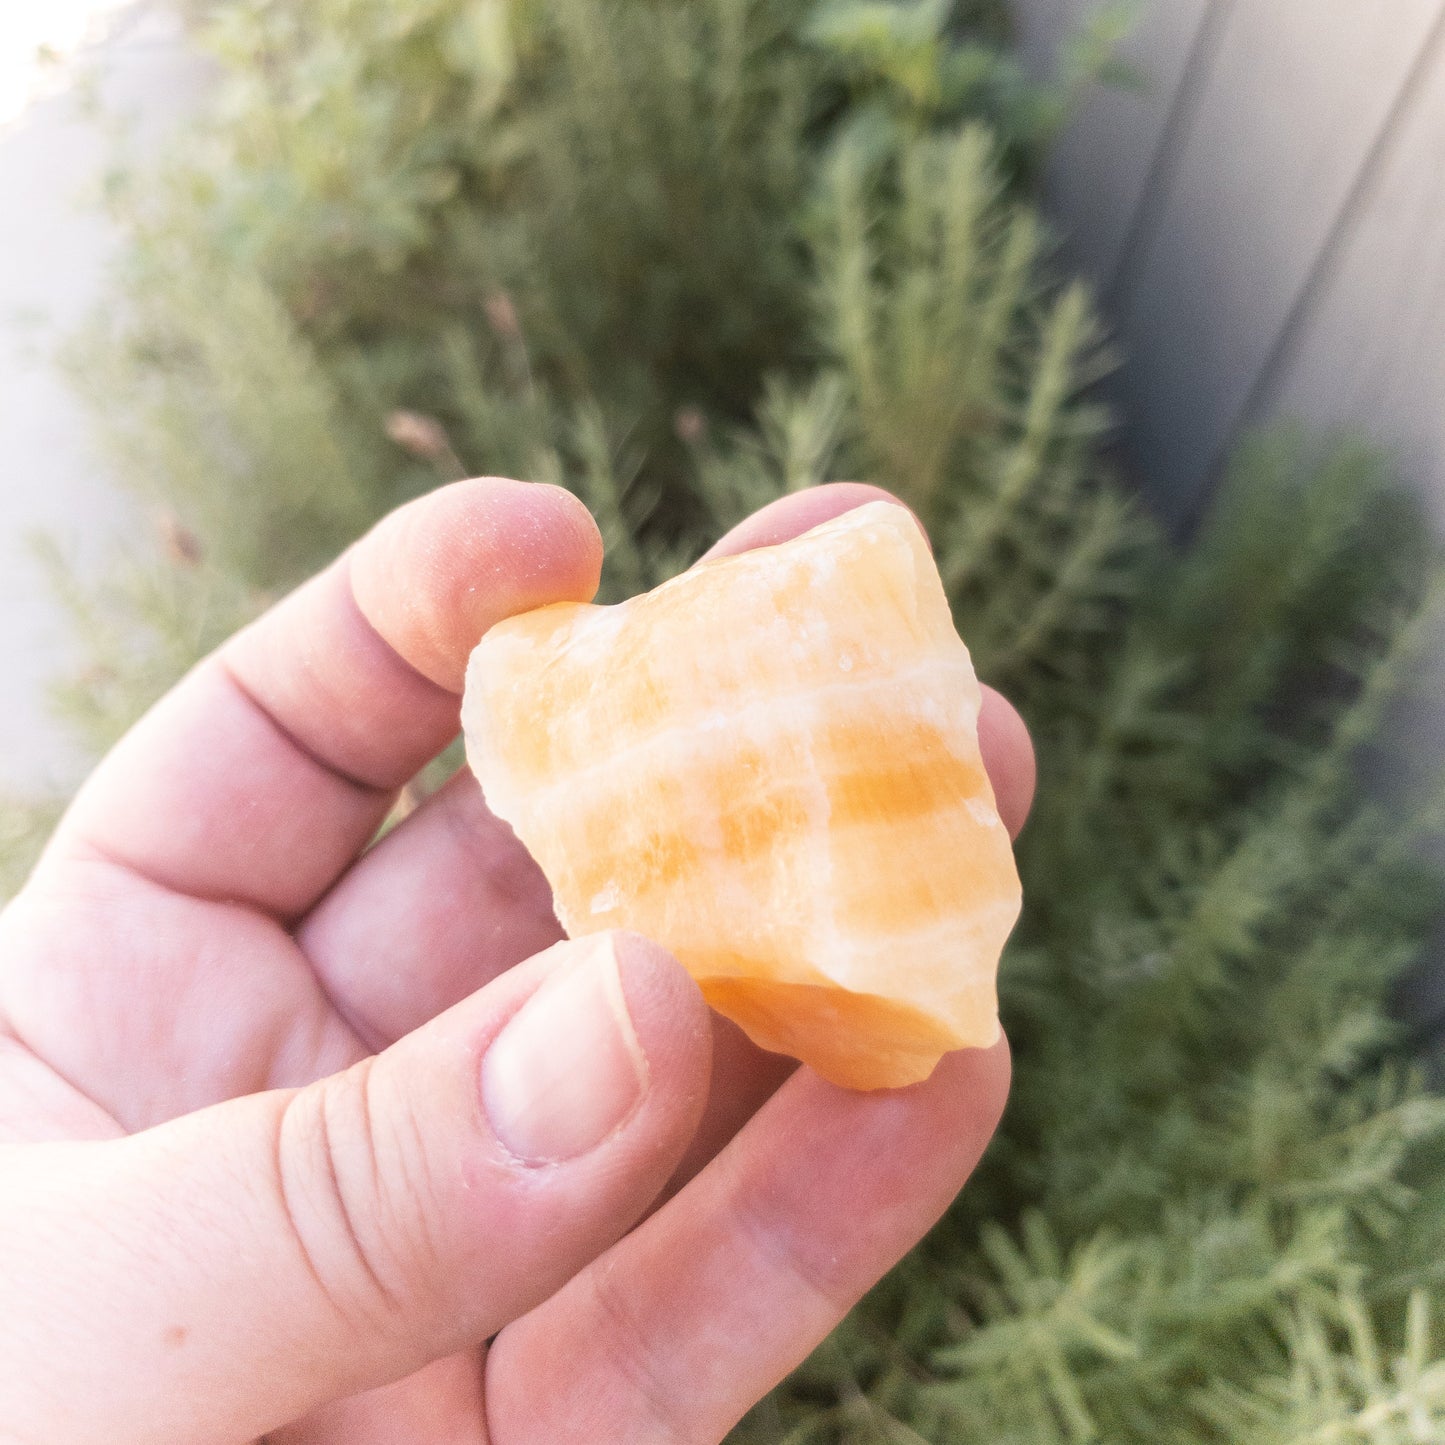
x: 632, y: 1352
x: 797, y: 1260
x: 351, y: 1190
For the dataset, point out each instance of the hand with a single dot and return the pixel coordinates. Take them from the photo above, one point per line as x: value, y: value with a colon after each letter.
x: 290, y: 1128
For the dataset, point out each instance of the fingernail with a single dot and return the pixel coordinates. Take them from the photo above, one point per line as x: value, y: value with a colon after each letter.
x: 567, y: 1070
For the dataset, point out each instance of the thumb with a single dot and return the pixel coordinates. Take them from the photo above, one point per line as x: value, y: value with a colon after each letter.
x: 217, y: 1276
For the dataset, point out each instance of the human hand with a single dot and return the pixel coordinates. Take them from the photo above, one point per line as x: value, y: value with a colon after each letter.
x: 290, y: 1128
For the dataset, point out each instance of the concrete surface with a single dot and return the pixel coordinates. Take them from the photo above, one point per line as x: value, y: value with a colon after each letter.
x: 54, y: 251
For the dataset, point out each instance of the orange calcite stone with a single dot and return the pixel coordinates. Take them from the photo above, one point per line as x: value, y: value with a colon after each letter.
x: 770, y: 765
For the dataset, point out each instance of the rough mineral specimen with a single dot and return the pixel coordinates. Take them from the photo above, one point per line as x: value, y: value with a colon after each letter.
x: 770, y: 765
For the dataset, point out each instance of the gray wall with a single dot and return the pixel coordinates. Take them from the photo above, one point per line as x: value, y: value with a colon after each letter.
x: 1265, y: 223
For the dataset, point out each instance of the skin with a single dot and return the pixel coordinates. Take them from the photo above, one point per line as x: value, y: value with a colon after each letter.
x: 247, y: 1188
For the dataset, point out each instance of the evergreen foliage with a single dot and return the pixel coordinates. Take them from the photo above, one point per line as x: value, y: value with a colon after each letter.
x: 684, y: 258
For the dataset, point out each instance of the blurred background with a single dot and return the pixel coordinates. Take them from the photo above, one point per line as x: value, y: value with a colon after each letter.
x: 1254, y: 192
x: 75, y: 76
x: 1137, y: 304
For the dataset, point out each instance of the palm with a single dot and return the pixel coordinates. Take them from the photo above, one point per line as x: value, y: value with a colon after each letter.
x: 208, y: 921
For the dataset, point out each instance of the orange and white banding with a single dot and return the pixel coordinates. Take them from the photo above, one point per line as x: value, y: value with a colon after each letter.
x: 770, y: 765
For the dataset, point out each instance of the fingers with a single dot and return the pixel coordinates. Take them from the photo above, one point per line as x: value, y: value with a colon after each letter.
x: 439, y: 1405
x: 450, y: 899
x: 263, y: 773
x: 240, y: 1266
x: 681, y: 1327
x: 744, y: 1078
x: 797, y: 513
x: 1008, y: 757
x: 440, y: 907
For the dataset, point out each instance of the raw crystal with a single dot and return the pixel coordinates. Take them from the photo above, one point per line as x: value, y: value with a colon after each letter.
x: 770, y: 765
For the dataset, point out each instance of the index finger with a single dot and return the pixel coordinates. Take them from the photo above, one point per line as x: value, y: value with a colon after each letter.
x: 262, y: 774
